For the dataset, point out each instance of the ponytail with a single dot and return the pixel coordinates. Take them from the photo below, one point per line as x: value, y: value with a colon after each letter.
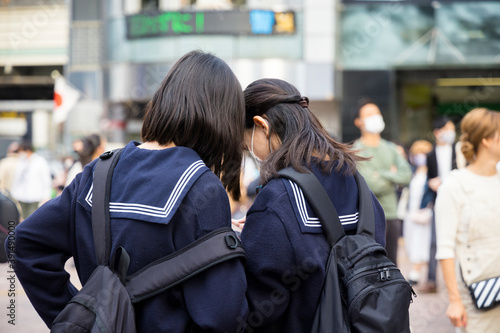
x: 301, y: 134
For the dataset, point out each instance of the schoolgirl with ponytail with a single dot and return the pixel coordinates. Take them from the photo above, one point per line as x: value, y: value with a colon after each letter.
x: 468, y: 224
x: 286, y: 248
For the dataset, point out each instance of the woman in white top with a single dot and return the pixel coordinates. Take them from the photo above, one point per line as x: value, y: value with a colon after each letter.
x: 468, y: 222
x: 416, y: 224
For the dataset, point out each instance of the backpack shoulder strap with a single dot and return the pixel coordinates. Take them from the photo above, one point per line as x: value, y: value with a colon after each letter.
x: 319, y: 200
x: 366, y: 222
x: 218, y: 246
x: 101, y: 229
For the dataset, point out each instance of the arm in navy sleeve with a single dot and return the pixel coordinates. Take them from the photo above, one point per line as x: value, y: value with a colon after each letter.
x: 379, y: 221
x: 215, y: 299
x: 269, y: 257
x: 42, y: 246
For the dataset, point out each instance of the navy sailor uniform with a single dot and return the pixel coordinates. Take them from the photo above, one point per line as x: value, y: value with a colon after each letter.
x: 287, y: 251
x: 161, y: 201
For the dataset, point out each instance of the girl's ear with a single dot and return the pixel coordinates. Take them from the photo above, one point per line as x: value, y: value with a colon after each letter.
x: 262, y: 123
x: 486, y: 142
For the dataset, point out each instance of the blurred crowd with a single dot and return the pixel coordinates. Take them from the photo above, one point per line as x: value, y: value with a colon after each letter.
x: 405, y: 180
x: 29, y: 179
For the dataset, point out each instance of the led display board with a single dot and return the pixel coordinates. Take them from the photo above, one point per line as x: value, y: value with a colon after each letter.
x: 253, y: 22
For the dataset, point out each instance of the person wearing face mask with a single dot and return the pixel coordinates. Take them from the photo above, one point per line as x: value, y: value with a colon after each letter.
x: 384, y: 169
x: 468, y: 226
x: 285, y: 246
x: 32, y: 184
x: 417, y: 221
x: 445, y: 156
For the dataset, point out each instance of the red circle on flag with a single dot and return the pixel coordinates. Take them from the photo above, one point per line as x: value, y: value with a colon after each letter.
x: 57, y: 99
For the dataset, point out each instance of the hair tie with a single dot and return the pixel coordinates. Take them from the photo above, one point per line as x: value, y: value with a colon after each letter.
x: 304, y: 102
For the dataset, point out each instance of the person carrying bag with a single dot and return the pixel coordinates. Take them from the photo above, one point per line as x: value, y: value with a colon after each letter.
x: 468, y: 227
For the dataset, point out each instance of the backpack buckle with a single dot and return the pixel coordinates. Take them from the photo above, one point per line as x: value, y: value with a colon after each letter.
x: 232, y: 241
x: 106, y: 155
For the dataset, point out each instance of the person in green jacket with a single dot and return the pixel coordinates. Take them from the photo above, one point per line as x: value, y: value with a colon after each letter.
x: 383, y: 171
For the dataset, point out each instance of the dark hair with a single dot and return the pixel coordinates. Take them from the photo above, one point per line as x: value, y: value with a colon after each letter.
x: 361, y: 103
x: 300, y: 132
x: 200, y: 105
x: 90, y: 144
x: 26, y: 145
x: 440, y: 122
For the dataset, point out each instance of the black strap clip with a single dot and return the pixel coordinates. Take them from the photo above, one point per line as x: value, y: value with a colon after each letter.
x: 232, y: 241
x: 106, y: 155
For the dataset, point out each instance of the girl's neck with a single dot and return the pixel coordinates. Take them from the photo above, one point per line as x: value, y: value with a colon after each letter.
x: 484, y: 165
x: 153, y: 145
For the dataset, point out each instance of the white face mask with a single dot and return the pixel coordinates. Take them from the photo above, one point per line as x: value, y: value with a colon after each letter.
x: 374, y: 124
x: 419, y: 160
x: 447, y: 137
x: 257, y: 160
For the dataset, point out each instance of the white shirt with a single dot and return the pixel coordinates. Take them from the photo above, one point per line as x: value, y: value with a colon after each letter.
x: 466, y: 197
x: 444, y: 156
x: 32, y: 182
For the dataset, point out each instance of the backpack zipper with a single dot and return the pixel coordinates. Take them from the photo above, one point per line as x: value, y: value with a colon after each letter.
x: 383, y: 271
x: 385, y: 275
x: 369, y: 290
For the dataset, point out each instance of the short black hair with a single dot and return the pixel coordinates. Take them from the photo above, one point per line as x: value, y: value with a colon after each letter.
x: 200, y: 105
x: 90, y: 144
x: 26, y: 145
x: 440, y: 122
x: 361, y: 103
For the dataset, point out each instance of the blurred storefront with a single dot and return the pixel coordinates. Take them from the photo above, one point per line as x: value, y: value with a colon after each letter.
x: 33, y: 44
x: 122, y: 49
x: 115, y: 53
x: 417, y: 59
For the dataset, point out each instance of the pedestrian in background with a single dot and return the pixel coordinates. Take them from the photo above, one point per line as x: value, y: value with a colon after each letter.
x: 32, y: 184
x: 384, y: 170
x: 468, y: 223
x: 440, y: 161
x: 417, y: 221
x: 87, y: 149
x: 166, y: 192
x: 8, y: 166
x: 286, y: 248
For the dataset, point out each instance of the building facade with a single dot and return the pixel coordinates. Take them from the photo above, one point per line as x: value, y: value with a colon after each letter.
x: 417, y: 59
x: 138, y: 41
x: 34, y: 43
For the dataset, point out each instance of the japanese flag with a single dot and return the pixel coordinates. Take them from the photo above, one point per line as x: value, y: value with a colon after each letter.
x: 65, y: 98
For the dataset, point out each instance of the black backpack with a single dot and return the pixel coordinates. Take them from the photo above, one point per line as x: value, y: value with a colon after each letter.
x: 105, y: 303
x: 9, y: 219
x: 363, y: 290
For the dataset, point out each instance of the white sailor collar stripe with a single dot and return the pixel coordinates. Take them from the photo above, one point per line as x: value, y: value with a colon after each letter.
x: 159, y: 214
x: 308, y: 220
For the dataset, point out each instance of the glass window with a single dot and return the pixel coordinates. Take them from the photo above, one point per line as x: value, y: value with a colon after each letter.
x: 383, y: 35
x: 468, y: 32
x: 391, y: 35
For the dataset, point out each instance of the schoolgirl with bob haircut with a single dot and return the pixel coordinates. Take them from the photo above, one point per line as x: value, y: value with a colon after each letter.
x: 164, y: 196
x: 286, y: 249
x: 198, y: 105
